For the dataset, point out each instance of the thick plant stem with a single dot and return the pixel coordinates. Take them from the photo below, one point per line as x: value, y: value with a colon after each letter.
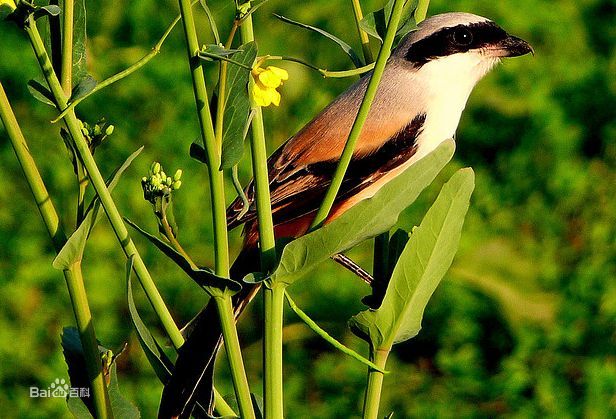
x: 209, y: 142
x: 223, y: 301
x: 375, y: 384
x: 363, y: 36
x: 234, y: 355
x: 73, y: 276
x: 66, y: 74
x: 98, y: 183
x: 273, y: 294
x: 273, y: 300
x: 362, y: 115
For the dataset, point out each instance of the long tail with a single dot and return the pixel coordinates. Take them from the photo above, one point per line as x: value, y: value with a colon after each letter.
x: 192, y: 378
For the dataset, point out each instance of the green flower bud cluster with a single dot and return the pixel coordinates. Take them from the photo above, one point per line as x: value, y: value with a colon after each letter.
x: 97, y: 133
x: 157, y: 184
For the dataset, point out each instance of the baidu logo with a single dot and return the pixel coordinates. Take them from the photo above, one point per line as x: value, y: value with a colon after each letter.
x: 59, y: 388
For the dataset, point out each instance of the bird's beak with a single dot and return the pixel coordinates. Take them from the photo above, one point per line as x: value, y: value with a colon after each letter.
x: 511, y: 46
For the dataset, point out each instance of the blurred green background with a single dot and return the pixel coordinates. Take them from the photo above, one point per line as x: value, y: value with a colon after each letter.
x: 524, y: 325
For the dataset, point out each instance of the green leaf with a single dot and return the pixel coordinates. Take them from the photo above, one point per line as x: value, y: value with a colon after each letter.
x: 204, y: 277
x: 121, y: 407
x: 40, y: 93
x: 80, y: 72
x: 345, y: 47
x: 375, y: 23
x: 159, y: 361
x: 211, y: 20
x: 423, y: 263
x: 73, y: 249
x: 85, y: 86
x: 236, y: 106
x: 78, y: 408
x: 364, y: 220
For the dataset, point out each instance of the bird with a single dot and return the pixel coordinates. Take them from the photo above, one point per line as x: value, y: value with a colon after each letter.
x: 424, y: 89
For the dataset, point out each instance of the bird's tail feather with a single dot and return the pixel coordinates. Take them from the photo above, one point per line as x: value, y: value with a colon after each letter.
x: 192, y: 378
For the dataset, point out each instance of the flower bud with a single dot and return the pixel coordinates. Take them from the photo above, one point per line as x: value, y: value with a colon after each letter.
x: 155, y: 168
x: 109, y: 130
x: 177, y: 175
x: 177, y: 184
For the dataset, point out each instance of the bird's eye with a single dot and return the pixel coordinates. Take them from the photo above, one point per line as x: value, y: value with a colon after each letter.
x: 462, y: 36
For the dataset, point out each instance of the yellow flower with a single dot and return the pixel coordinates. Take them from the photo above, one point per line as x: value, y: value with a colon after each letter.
x: 267, y: 80
x: 9, y: 3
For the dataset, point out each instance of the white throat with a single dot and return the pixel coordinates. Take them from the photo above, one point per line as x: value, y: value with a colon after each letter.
x: 448, y: 82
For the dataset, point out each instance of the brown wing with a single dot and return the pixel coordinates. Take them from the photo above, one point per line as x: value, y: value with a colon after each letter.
x: 297, y: 190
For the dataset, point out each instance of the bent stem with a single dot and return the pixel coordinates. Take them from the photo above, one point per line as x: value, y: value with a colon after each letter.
x: 362, y: 115
x: 73, y: 275
x: 375, y: 384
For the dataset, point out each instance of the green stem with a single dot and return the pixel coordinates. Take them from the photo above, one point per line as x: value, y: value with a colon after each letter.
x: 273, y: 301
x: 223, y: 301
x: 209, y: 142
x: 422, y: 10
x: 375, y: 384
x: 98, y: 183
x: 234, y: 355
x: 66, y: 73
x: 362, y: 115
x: 73, y: 276
x: 363, y: 36
x: 274, y: 296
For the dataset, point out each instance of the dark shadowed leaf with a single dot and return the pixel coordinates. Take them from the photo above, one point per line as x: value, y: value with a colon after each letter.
x: 73, y: 249
x: 363, y: 221
x: 40, y: 93
x: 85, y: 86
x: 159, y: 361
x: 423, y: 263
x: 204, y: 277
x: 237, y: 106
x: 345, y: 47
x: 197, y: 152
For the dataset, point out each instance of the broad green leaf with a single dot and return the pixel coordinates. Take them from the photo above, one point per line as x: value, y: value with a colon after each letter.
x: 73, y: 249
x: 159, y: 361
x: 80, y: 72
x: 423, y: 263
x: 78, y: 408
x: 236, y: 106
x: 345, y: 47
x: 204, y: 277
x: 40, y: 92
x: 363, y: 221
x: 120, y: 406
x: 375, y: 23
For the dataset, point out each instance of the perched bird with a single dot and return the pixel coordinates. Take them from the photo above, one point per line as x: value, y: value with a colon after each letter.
x: 424, y: 89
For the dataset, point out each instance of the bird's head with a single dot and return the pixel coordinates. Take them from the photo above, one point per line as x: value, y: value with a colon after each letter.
x: 457, y: 43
